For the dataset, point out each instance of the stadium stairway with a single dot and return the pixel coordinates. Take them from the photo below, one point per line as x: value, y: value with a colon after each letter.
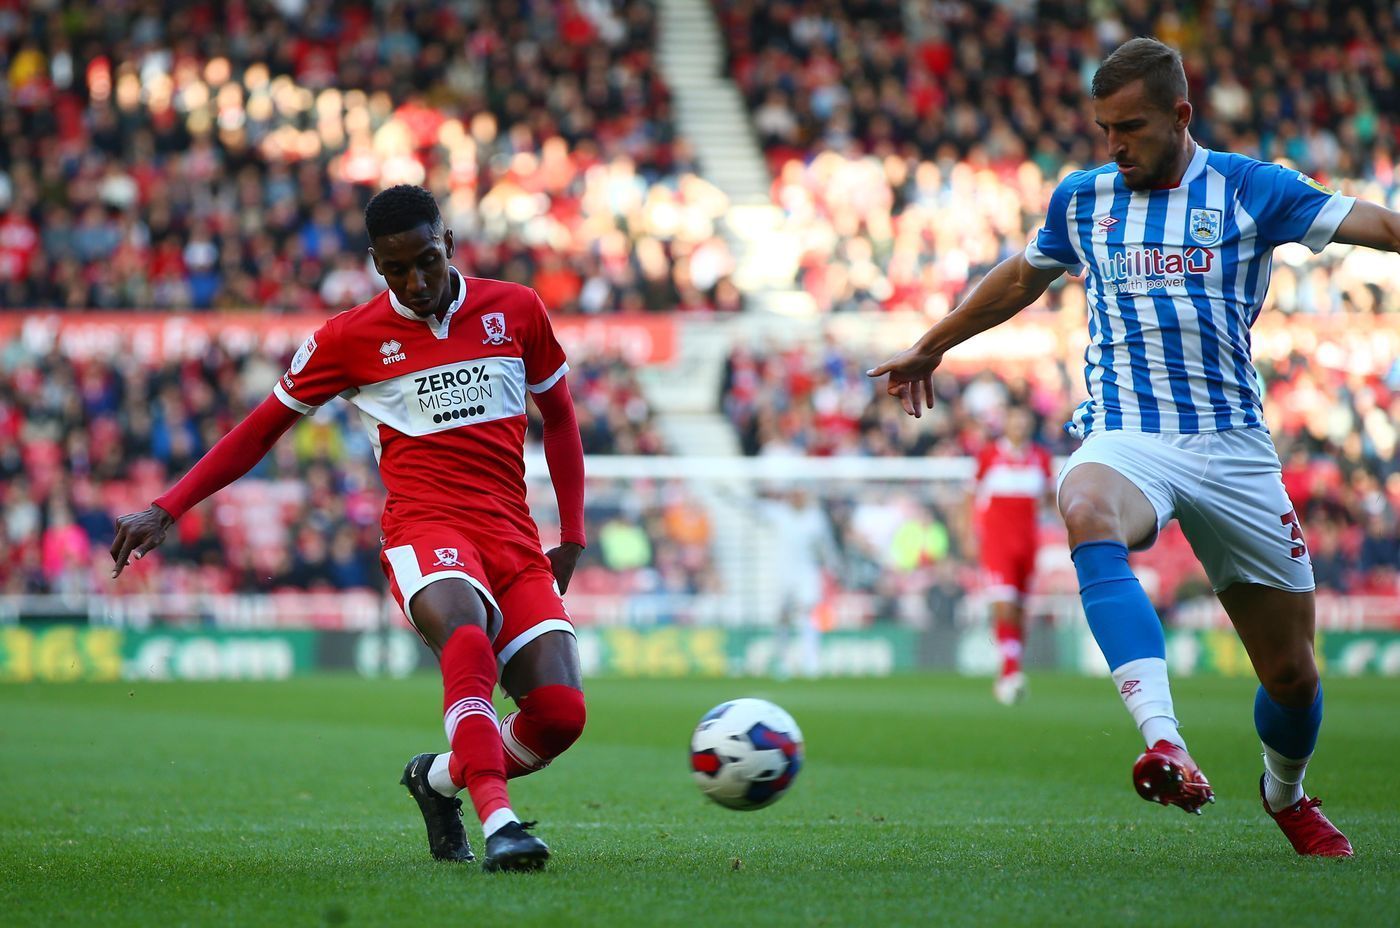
x: 710, y: 112
x: 685, y: 395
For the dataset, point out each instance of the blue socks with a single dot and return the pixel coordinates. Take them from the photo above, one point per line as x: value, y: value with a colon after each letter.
x: 1120, y: 615
x: 1288, y: 736
x: 1129, y: 634
x: 1292, y: 733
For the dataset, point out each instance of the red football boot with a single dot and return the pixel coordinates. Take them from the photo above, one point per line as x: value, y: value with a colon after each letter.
x: 1307, y: 829
x: 1165, y: 773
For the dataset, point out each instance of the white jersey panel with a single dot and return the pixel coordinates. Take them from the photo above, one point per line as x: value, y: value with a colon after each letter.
x: 449, y: 396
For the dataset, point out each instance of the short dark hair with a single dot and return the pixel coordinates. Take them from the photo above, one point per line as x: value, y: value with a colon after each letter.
x: 1156, y: 64
x: 399, y: 209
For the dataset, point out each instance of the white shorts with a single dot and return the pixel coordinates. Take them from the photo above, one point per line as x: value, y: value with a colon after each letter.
x: 801, y: 589
x: 1226, y: 491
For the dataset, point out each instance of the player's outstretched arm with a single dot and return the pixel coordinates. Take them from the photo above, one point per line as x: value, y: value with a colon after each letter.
x: 1371, y: 225
x: 230, y: 458
x: 1007, y: 289
x: 563, y: 452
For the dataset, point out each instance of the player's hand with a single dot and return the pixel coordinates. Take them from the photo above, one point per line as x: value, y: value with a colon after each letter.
x: 911, y: 379
x: 137, y: 534
x: 563, y: 560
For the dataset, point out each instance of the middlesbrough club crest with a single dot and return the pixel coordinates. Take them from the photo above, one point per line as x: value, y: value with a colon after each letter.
x: 447, y: 557
x: 495, y: 326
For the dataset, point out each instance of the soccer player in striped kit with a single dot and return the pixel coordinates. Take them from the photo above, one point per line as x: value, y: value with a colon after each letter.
x: 1176, y: 244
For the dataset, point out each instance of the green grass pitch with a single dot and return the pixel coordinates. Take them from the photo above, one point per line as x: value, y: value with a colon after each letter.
x: 922, y: 803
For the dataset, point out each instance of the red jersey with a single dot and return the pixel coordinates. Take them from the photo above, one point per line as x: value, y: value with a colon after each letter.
x: 1011, y: 483
x: 443, y: 402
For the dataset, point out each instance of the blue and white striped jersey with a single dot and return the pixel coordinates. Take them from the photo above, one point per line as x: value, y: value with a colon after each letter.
x: 1175, y: 279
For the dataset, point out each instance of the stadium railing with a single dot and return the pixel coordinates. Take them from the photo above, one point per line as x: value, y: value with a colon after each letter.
x: 895, y: 527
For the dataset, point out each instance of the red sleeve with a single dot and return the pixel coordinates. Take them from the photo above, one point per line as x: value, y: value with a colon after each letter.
x: 231, y: 457
x: 563, y: 452
x: 984, y: 461
x: 1046, y: 462
x: 545, y: 363
x: 316, y: 374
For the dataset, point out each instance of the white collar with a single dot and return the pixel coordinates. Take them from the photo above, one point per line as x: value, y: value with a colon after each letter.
x: 439, y: 329
x: 1197, y: 165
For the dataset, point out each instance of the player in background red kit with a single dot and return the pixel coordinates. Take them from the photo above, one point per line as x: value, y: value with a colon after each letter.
x: 1013, y: 479
x: 439, y: 366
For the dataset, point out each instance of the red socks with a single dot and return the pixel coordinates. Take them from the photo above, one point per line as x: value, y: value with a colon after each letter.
x: 468, y: 678
x: 1009, y: 644
x: 550, y: 719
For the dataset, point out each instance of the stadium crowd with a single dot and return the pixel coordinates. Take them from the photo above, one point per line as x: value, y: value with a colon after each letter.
x: 915, y: 143
x: 171, y: 155
x: 166, y: 155
x: 83, y: 442
x: 1337, y: 428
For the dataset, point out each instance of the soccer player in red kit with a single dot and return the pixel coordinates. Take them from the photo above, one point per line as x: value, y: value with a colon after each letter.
x: 1013, y: 478
x: 439, y: 366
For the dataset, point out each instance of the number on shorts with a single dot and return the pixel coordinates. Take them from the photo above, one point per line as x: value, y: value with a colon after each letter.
x: 1291, y: 518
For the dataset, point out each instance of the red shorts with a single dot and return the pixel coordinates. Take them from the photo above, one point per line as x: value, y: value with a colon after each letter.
x: 513, y: 578
x: 1008, y: 569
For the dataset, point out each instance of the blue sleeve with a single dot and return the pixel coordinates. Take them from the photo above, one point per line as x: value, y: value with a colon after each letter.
x: 1289, y: 206
x: 1052, y: 246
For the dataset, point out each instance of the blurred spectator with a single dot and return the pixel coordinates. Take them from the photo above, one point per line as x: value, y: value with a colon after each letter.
x: 818, y: 401
x: 83, y: 441
x: 915, y: 143
x: 1335, y: 426
x: 1380, y: 543
x: 999, y: 83
x: 623, y: 545
x: 178, y: 155
x: 613, y: 414
x: 652, y: 542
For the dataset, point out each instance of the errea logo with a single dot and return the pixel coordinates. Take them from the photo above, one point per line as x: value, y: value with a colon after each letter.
x: 391, y: 352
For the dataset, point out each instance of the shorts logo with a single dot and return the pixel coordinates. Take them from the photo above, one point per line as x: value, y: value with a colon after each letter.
x: 1205, y: 226
x: 1290, y: 518
x: 1130, y: 687
x: 303, y: 355
x: 447, y: 557
x: 495, y: 326
x: 391, y: 352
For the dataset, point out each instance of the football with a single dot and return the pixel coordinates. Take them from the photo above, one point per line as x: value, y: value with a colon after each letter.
x: 746, y: 753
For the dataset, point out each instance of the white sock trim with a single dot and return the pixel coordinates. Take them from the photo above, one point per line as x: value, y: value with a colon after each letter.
x: 471, y: 705
x: 1146, y: 693
x: 1284, y: 769
x: 440, y: 777
x: 497, y: 820
x: 515, y: 748
x: 1160, y: 728
x: 1283, y: 778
